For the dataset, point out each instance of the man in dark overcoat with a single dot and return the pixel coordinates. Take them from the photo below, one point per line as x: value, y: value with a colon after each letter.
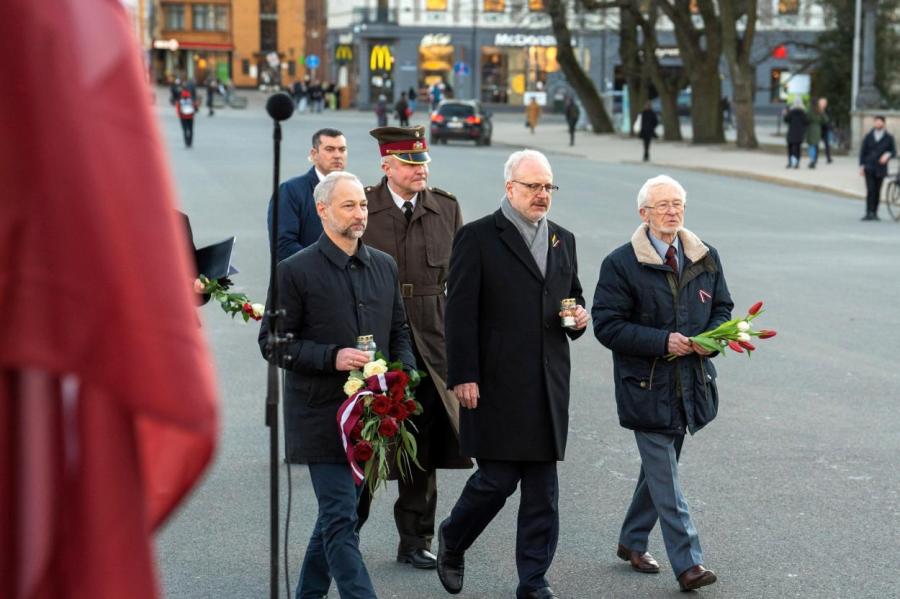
x: 877, y: 148
x: 332, y: 292
x: 653, y: 293
x: 298, y: 223
x: 415, y: 224
x: 508, y: 358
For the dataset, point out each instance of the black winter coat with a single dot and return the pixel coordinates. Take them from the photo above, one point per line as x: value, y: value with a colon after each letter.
x: 635, y: 308
x: 871, y: 151
x: 797, y: 122
x: 503, y: 332
x: 330, y: 299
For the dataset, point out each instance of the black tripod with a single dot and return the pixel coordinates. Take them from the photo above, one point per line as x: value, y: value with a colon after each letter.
x: 280, y: 107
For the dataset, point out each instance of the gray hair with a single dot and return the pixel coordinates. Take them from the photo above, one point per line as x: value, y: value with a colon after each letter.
x: 517, y: 158
x: 659, y: 181
x: 325, y: 188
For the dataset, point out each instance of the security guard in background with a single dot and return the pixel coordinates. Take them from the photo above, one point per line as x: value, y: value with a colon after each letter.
x: 416, y: 224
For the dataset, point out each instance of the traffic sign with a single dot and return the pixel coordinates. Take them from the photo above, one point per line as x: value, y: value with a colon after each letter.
x: 312, y: 61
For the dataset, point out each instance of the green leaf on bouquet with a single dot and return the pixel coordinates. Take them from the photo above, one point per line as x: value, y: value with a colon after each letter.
x: 707, y: 343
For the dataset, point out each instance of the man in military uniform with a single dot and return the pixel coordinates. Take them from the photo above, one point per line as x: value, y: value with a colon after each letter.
x: 416, y: 224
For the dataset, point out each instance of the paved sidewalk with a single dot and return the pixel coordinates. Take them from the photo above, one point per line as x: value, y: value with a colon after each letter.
x: 841, y: 177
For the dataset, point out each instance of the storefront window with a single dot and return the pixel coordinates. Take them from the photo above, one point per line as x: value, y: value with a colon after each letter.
x: 494, y: 5
x: 536, y: 5
x: 435, y: 64
x: 788, y: 7
x: 210, y: 17
x: 440, y: 5
x: 174, y: 16
x: 507, y: 73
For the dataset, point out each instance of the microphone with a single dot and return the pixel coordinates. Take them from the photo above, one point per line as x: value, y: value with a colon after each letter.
x: 280, y: 106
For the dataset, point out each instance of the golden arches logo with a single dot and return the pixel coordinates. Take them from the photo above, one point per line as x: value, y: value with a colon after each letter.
x: 381, y: 58
x: 343, y: 53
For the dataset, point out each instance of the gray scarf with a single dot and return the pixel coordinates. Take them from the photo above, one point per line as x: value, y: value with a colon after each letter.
x: 535, y: 235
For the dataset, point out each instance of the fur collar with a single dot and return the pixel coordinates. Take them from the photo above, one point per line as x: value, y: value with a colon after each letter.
x: 694, y: 249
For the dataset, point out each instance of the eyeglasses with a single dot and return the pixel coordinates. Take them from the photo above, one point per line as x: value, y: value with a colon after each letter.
x: 664, y: 207
x: 536, y: 188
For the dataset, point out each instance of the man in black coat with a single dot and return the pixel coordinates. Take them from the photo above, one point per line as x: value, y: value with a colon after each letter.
x: 332, y: 292
x: 298, y: 223
x: 654, y: 292
x: 877, y: 149
x: 508, y: 359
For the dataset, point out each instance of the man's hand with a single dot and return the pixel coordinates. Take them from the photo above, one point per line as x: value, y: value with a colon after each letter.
x: 700, y: 349
x: 582, y: 318
x: 862, y: 171
x: 885, y: 158
x: 351, y: 359
x: 679, y: 344
x: 467, y: 394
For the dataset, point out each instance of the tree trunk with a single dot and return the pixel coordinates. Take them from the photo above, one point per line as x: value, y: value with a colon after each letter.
x: 632, y: 67
x: 736, y: 48
x: 666, y: 87
x: 575, y: 75
x: 700, y: 52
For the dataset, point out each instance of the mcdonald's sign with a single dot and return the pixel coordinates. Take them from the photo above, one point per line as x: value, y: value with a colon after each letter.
x: 343, y: 53
x: 380, y: 58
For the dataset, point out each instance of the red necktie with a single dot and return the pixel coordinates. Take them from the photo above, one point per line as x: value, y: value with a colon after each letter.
x: 671, y: 261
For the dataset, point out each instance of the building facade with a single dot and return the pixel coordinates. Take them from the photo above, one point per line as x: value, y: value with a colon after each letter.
x: 503, y: 51
x: 249, y: 43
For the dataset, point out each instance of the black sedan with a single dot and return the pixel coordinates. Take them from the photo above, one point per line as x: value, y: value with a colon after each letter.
x: 461, y: 119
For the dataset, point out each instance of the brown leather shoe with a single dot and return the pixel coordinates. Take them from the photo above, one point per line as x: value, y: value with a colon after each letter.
x: 642, y: 562
x: 696, y: 577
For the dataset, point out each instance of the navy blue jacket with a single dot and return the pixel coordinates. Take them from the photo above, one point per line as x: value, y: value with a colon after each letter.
x: 872, y: 150
x: 637, y: 303
x: 299, y: 225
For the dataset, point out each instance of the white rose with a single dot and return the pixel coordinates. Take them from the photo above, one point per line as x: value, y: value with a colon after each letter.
x: 743, y: 326
x: 352, y: 386
x: 373, y: 368
x: 258, y: 310
x: 743, y: 337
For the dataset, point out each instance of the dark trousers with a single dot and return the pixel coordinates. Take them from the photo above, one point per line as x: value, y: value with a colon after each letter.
x: 826, y: 137
x: 793, y: 151
x: 537, y: 531
x: 187, y: 128
x: 414, y: 511
x: 658, y: 497
x: 333, y: 548
x: 572, y: 134
x: 873, y: 191
x: 647, y: 141
x: 404, y: 120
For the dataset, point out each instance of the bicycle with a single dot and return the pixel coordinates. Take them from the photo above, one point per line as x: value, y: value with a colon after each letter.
x: 892, y: 196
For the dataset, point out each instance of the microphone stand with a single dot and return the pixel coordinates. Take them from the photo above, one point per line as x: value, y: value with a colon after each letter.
x: 275, y: 342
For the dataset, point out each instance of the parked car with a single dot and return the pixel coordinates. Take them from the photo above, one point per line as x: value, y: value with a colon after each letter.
x: 461, y: 119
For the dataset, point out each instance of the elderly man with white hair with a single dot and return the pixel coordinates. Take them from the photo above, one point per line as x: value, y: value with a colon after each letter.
x: 508, y: 358
x: 653, y: 294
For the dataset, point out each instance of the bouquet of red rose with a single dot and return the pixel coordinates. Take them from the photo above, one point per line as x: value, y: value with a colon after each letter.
x: 734, y: 334
x: 232, y: 303
x: 374, y: 421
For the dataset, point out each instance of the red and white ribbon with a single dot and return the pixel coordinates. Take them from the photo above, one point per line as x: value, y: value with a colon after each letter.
x: 347, y: 416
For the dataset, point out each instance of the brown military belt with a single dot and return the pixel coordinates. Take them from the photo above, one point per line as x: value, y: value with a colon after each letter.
x: 409, y: 290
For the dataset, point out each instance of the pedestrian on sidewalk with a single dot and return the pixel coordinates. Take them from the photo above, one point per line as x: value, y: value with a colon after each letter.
x: 572, y: 114
x: 402, y: 110
x: 186, y: 108
x: 796, y: 133
x: 412, y: 95
x: 826, y: 127
x: 212, y: 85
x: 649, y: 122
x: 532, y: 114
x: 877, y: 149
x: 381, y: 111
x: 813, y: 132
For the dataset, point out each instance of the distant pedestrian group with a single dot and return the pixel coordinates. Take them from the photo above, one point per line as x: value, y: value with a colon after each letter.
x: 811, y: 126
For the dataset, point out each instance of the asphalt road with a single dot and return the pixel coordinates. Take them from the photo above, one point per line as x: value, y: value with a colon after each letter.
x: 794, y: 488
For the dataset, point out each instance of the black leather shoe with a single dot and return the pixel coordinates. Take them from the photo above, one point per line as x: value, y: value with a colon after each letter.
x: 450, y: 566
x: 544, y: 593
x: 418, y: 558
